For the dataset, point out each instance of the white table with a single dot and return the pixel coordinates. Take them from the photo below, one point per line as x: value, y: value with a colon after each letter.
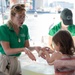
x: 38, y: 67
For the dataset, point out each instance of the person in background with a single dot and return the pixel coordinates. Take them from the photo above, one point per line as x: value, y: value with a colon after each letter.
x: 66, y: 17
x: 64, y: 50
x: 14, y: 39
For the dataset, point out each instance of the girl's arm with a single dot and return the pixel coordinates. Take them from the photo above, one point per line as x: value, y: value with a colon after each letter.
x: 50, y: 58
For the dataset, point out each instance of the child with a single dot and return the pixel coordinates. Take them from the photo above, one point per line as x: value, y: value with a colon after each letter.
x: 64, y: 50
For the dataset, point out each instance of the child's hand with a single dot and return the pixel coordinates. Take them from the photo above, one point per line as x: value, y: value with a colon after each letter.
x: 42, y: 54
x: 39, y: 51
x: 47, y: 49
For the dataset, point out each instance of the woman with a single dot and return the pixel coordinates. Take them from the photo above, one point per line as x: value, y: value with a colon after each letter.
x: 14, y: 39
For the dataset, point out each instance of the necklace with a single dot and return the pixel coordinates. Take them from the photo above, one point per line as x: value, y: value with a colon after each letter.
x: 19, y: 40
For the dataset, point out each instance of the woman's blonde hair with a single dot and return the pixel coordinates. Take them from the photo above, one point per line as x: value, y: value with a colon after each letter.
x: 17, y: 8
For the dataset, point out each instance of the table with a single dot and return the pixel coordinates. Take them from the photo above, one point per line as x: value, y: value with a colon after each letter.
x: 38, y: 67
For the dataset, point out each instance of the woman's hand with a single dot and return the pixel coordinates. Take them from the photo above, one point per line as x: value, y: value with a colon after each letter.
x: 39, y: 51
x: 30, y: 55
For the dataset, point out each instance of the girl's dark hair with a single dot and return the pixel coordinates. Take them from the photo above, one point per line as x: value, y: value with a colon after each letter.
x: 64, y: 38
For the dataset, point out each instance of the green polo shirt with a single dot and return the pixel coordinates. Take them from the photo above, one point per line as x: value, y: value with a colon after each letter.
x: 8, y: 34
x: 71, y: 29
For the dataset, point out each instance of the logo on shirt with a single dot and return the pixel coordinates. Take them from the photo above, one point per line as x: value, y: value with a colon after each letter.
x: 22, y: 35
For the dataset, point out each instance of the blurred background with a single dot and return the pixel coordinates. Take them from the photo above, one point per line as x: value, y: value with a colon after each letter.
x: 40, y: 6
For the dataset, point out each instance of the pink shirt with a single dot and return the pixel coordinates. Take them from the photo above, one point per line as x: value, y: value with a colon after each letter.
x: 69, y: 70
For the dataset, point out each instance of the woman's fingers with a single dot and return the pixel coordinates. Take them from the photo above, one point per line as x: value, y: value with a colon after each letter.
x: 29, y: 53
x: 31, y: 56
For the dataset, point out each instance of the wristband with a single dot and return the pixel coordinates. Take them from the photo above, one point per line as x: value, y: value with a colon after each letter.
x: 40, y: 52
x: 26, y: 50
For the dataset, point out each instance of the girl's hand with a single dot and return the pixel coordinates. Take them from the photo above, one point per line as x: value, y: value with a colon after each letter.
x: 48, y: 50
x: 30, y: 55
x: 40, y: 52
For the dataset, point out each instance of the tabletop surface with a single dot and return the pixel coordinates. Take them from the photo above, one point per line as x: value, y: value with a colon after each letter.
x: 38, y: 67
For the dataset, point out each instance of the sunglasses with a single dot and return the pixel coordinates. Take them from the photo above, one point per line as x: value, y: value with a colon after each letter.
x: 18, y: 6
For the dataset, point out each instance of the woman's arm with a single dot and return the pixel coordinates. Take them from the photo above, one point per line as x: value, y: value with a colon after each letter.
x: 10, y: 51
x: 51, y: 58
x: 37, y: 48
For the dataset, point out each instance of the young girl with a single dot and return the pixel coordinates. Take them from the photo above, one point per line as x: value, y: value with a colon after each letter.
x: 64, y: 50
